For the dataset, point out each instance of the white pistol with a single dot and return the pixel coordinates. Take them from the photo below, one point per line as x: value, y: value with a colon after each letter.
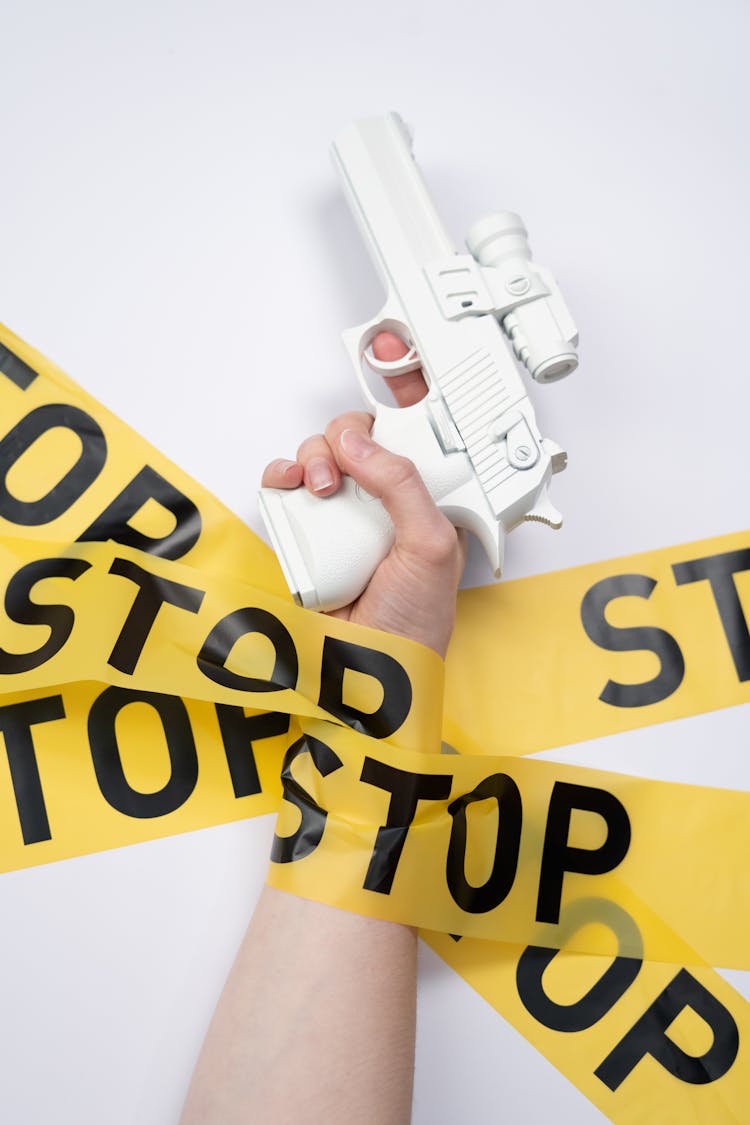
x: 474, y: 437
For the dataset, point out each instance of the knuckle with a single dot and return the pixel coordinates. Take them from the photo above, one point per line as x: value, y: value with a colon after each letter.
x: 441, y: 545
x: 352, y: 419
x: 312, y: 446
x: 400, y: 472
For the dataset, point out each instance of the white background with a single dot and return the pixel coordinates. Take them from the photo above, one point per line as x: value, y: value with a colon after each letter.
x: 173, y: 236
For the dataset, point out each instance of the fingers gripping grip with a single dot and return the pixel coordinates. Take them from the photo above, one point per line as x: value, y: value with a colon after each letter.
x: 328, y: 548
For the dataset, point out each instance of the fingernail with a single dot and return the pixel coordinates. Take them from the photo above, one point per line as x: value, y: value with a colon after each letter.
x: 319, y: 474
x: 281, y: 465
x: 357, y: 445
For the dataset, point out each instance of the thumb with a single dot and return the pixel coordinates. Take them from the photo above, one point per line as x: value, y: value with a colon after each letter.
x: 421, y: 529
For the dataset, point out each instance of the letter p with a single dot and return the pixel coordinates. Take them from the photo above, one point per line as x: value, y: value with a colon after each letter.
x: 558, y: 856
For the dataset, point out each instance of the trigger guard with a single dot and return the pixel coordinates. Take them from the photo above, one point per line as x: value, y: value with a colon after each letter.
x: 358, y: 342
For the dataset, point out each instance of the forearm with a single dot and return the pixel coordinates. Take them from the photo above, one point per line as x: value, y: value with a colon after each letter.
x: 316, y: 1022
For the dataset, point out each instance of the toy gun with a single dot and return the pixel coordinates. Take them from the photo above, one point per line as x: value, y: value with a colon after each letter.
x: 474, y: 437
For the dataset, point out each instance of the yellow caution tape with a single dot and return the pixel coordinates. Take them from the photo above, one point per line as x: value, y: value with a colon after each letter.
x: 150, y: 689
x: 645, y: 1040
x: 498, y: 848
x: 598, y: 649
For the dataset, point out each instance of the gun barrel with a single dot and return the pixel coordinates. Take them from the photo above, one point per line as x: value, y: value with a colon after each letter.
x: 388, y: 196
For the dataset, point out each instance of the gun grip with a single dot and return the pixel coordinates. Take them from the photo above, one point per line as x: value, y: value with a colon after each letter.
x: 329, y: 547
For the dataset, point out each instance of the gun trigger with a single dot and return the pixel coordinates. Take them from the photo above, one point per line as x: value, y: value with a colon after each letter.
x: 409, y: 362
x: 544, y: 511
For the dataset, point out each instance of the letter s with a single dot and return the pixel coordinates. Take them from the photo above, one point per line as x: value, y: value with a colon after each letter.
x: 288, y: 849
x: 21, y: 608
x: 632, y: 639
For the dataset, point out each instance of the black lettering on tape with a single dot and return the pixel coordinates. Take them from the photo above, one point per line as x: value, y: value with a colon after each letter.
x: 221, y: 640
x: 15, y: 369
x: 648, y: 1036
x: 153, y: 593
x: 16, y: 721
x: 61, y: 496
x: 632, y: 639
x: 19, y: 607
x: 478, y: 900
x: 114, y: 522
x: 238, y: 732
x: 287, y: 849
x: 611, y: 986
x: 558, y: 856
x: 719, y: 571
x: 105, y: 753
x: 585, y: 1012
x: 406, y: 790
x: 339, y: 655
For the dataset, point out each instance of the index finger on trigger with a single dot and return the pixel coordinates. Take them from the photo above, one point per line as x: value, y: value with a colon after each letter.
x: 409, y: 388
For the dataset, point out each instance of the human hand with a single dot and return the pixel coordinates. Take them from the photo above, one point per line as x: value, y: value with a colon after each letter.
x: 413, y: 591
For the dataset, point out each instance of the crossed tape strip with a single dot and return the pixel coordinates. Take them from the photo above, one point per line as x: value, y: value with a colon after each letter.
x: 149, y: 696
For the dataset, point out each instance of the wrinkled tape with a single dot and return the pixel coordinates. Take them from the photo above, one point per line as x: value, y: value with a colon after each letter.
x: 495, y: 848
x: 153, y: 693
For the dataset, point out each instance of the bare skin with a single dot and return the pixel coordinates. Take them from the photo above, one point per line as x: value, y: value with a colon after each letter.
x: 317, y: 1018
x: 412, y: 593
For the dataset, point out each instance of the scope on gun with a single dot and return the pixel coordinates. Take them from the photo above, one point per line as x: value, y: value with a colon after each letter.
x: 540, y: 331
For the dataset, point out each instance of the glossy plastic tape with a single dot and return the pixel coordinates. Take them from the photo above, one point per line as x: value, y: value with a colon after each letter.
x: 157, y: 679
